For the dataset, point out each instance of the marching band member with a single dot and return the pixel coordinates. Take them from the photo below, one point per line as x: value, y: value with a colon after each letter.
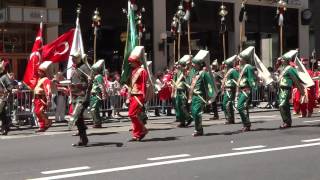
x: 137, y: 93
x: 306, y: 108
x: 80, y: 90
x: 202, y: 85
x: 246, y: 83
x: 287, y: 78
x: 98, y: 93
x: 42, y: 97
x: 180, y: 87
x: 229, y: 88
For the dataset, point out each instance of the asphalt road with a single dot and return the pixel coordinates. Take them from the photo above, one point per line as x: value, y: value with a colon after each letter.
x: 224, y: 153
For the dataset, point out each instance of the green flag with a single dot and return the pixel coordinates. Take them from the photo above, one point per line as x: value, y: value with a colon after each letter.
x: 131, y: 42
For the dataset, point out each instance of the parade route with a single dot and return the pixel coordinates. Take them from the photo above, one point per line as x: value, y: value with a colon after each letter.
x: 170, y: 153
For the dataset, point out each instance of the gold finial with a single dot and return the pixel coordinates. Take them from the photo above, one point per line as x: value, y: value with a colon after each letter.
x: 282, y: 4
x: 96, y: 16
x: 78, y: 9
x: 223, y: 10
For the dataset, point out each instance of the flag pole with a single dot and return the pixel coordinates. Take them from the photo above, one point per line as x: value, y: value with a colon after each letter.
x: 189, y: 37
x: 141, y: 27
x: 179, y: 43
x: 281, y: 40
x: 96, y: 22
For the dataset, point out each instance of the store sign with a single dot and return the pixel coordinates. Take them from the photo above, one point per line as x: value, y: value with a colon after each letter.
x: 14, y: 14
x: 30, y: 15
x: 294, y: 2
x: 33, y: 15
x: 3, y: 15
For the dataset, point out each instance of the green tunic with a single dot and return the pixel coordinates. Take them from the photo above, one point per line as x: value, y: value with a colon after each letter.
x: 182, y: 113
x: 287, y: 78
x: 246, y: 84
x: 96, y: 99
x: 230, y: 87
x: 202, y: 85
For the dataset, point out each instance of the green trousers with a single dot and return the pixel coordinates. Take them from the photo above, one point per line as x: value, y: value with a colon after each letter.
x: 227, y: 105
x: 77, y: 113
x: 284, y: 106
x: 197, y: 106
x: 95, y: 105
x: 182, y: 113
x: 243, y: 108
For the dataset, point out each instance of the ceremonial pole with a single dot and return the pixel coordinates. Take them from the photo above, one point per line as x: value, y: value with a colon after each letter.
x: 242, y: 19
x: 223, y: 13
x: 174, y: 25
x: 180, y: 15
x: 188, y: 4
x: 95, y: 24
x: 282, y: 7
x: 141, y: 27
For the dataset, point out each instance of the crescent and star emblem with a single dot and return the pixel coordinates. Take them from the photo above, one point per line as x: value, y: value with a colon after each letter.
x: 65, y: 50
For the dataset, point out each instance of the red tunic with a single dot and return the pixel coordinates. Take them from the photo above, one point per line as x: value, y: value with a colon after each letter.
x: 42, y: 96
x: 137, y: 99
x: 166, y: 90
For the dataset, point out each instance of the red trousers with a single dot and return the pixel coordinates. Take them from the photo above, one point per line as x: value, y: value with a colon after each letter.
x: 138, y: 128
x: 39, y: 109
x: 304, y: 108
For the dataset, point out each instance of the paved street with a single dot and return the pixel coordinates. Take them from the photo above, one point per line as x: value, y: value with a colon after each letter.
x: 224, y: 152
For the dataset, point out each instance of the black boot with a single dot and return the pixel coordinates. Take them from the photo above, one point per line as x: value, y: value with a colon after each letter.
x: 83, y: 138
x: 5, y: 127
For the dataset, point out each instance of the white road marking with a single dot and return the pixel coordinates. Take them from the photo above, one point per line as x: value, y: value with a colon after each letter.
x: 168, y: 157
x: 311, y: 121
x: 310, y: 140
x: 65, y: 170
x: 264, y: 116
x: 248, y: 148
x: 153, y: 164
x: 17, y: 136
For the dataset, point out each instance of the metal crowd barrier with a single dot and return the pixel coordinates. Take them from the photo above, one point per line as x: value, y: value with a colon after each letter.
x: 21, y: 107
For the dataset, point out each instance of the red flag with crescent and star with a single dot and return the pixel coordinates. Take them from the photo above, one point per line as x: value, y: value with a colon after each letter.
x: 59, y: 49
x: 31, y: 74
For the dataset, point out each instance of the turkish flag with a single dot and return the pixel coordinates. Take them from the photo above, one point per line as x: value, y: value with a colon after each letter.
x: 59, y: 49
x: 31, y: 74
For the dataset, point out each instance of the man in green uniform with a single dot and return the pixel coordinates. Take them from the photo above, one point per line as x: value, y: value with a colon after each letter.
x: 202, y: 85
x: 246, y: 83
x: 287, y: 77
x: 180, y: 87
x: 98, y: 93
x: 229, y: 88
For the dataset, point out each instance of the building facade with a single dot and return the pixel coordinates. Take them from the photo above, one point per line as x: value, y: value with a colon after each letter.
x: 19, y: 23
x: 261, y: 28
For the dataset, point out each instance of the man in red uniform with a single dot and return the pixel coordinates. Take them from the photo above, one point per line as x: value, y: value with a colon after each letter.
x: 42, y: 97
x: 138, y: 89
x: 306, y: 108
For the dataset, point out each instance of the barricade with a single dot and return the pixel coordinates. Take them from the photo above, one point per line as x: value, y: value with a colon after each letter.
x: 21, y: 107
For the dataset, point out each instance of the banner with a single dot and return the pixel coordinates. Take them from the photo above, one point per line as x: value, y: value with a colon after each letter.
x: 59, y: 49
x: 31, y: 74
x: 77, y: 47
